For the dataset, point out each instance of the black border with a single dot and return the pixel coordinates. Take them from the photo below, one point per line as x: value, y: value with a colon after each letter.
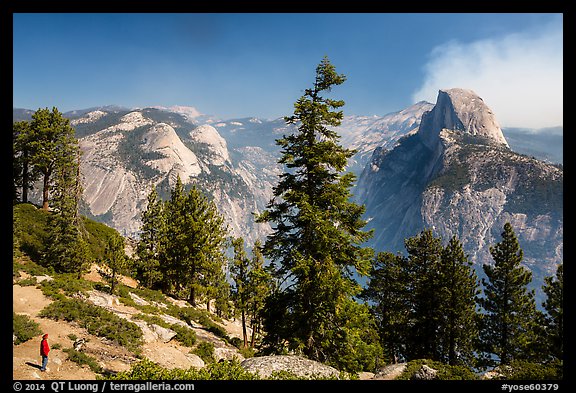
x: 9, y: 7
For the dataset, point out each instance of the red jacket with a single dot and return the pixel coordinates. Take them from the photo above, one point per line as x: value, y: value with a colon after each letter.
x: 44, y: 348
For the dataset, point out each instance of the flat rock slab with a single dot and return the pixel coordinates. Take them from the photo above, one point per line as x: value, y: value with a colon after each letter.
x: 298, y: 365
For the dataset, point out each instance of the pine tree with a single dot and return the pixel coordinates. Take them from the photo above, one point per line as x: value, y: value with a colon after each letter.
x: 424, y: 269
x: 194, y: 243
x: 239, y: 270
x: 425, y: 303
x: 261, y: 285
x: 252, y: 284
x: 115, y: 258
x: 460, y: 288
x: 356, y: 346
x: 317, y: 232
x: 24, y: 173
x: 67, y: 249
x: 554, y: 319
x: 387, y: 293
x: 507, y: 329
x: 149, y: 245
x: 51, y: 136
x: 221, y: 294
x: 174, y: 244
x: 215, y: 286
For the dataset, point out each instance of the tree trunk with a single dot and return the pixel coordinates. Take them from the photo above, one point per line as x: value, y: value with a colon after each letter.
x: 192, y: 297
x: 244, y: 334
x: 45, y: 189
x: 253, y: 339
x: 25, y: 177
x: 113, y: 282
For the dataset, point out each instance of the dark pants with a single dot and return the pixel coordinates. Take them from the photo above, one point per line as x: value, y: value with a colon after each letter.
x: 44, y: 363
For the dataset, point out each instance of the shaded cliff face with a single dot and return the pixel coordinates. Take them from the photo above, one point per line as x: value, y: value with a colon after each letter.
x: 458, y: 176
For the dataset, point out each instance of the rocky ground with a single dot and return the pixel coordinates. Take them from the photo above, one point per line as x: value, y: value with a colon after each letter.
x: 158, y: 346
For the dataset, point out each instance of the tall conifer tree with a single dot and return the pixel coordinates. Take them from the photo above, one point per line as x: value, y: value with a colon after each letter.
x: 554, y: 319
x: 24, y: 173
x: 389, y: 296
x: 508, y: 329
x: 424, y: 286
x: 261, y: 285
x: 195, y: 238
x: 51, y: 136
x: 317, y: 231
x: 152, y: 233
x: 115, y: 258
x: 425, y: 303
x: 239, y: 270
x: 460, y: 288
x: 67, y: 249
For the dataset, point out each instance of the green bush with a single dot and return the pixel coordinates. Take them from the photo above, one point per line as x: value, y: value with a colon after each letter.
x: 81, y: 358
x: 150, y: 295
x: 202, y: 317
x: 25, y: 264
x: 227, y: 370
x: 247, y: 352
x: 67, y: 284
x: 96, y: 320
x: 148, y: 370
x: 206, y: 352
x: 152, y: 319
x: 524, y: 370
x: 30, y: 229
x: 27, y: 282
x: 184, y: 335
x: 97, y: 238
x: 24, y: 328
x: 445, y: 372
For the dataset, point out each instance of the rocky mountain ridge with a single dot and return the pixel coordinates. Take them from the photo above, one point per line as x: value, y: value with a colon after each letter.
x: 458, y: 176
x: 408, y: 171
x: 127, y: 153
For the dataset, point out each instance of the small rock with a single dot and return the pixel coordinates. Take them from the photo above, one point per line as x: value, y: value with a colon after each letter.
x: 227, y: 354
x: 425, y: 373
x: 79, y: 344
x: 390, y: 372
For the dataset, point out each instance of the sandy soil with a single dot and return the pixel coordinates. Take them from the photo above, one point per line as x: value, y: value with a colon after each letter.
x: 29, y: 300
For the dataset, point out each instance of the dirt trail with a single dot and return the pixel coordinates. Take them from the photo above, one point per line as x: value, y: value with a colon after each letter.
x: 29, y: 300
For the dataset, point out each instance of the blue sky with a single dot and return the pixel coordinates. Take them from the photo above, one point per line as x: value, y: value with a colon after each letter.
x: 258, y: 64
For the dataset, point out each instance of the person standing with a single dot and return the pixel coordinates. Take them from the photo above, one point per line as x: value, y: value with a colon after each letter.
x: 44, y: 349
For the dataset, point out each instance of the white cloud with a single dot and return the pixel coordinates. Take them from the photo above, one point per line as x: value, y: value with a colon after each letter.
x: 519, y: 76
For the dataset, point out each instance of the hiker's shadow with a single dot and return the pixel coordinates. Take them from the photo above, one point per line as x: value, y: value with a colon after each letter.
x: 34, y: 365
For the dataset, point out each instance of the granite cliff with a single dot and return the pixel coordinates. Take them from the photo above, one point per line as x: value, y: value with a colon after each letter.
x: 458, y: 176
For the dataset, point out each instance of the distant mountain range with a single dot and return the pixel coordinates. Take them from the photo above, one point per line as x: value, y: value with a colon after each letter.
x: 447, y: 165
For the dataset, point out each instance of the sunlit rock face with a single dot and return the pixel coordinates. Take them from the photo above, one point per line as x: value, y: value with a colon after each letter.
x: 458, y: 176
x: 148, y: 148
x: 460, y: 110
